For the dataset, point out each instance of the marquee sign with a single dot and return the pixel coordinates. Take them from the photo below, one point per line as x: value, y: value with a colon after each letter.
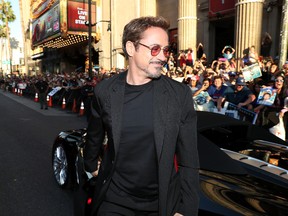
x: 46, y: 25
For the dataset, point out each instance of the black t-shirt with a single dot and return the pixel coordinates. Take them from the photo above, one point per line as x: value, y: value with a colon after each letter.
x: 135, y: 180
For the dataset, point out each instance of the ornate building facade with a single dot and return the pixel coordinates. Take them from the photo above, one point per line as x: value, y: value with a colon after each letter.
x: 214, y: 23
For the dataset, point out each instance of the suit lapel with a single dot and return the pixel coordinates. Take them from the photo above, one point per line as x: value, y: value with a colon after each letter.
x: 117, y: 100
x: 160, y: 110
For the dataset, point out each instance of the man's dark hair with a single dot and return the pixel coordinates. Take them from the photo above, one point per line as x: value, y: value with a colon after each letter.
x: 134, y: 29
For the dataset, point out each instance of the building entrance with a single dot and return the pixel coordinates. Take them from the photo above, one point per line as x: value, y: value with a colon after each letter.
x: 224, y: 35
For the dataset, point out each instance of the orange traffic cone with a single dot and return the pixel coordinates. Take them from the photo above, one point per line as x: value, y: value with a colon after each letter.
x: 49, y: 101
x: 82, y: 111
x: 18, y: 92
x: 63, y: 103
x: 21, y: 92
x: 36, y: 97
x: 74, y: 108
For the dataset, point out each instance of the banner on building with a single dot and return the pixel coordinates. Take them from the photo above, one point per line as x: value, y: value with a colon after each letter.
x: 221, y: 7
x: 78, y: 14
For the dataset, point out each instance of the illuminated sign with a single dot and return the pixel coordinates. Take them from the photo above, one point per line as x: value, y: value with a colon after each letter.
x: 78, y: 15
x: 46, y: 25
x: 39, y: 7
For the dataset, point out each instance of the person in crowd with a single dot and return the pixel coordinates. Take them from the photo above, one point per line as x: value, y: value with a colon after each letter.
x: 181, y: 60
x: 201, y: 97
x: 216, y: 89
x: 228, y: 52
x: 253, y: 56
x: 200, y: 51
x: 272, y: 72
x: 255, y: 88
x: 265, y: 66
x: 285, y: 69
x: 222, y: 67
x: 189, y: 57
x: 230, y: 81
x: 199, y: 67
x: 42, y: 87
x: 86, y: 96
x: 271, y: 114
x: 232, y: 63
x: 2, y: 83
x: 193, y: 82
x: 239, y: 95
x: 171, y: 63
x: 208, y: 73
x: 137, y: 175
x: 266, y: 45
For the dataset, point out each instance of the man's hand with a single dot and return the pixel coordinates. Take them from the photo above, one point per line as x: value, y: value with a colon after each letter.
x: 241, y: 105
x: 95, y: 173
x: 219, y: 108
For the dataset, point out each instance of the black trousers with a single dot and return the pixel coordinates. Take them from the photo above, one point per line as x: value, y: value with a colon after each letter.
x: 112, y: 209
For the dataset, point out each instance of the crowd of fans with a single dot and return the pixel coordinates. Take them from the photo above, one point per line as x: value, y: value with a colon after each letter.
x: 212, y: 83
x: 74, y: 88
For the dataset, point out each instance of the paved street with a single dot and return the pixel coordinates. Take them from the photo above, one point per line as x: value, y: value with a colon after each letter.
x: 27, y: 186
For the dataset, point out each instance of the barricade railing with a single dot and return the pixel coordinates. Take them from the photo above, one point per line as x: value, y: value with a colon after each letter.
x: 64, y: 99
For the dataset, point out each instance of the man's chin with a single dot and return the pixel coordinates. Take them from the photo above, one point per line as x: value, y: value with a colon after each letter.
x: 155, y: 74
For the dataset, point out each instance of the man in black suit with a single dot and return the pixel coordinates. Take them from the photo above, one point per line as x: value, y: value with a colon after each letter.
x: 150, y: 123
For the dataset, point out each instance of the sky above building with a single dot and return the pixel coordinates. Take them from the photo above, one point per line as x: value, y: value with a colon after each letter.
x: 15, y: 26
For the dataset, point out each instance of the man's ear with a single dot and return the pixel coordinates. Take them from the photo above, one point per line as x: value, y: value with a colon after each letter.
x: 130, y: 48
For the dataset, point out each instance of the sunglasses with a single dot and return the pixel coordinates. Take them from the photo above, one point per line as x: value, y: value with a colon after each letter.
x: 279, y: 80
x: 155, y: 49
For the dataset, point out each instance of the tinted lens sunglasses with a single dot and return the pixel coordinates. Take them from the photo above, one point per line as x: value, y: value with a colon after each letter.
x: 155, y: 49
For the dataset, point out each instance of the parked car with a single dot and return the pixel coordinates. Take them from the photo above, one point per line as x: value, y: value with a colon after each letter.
x: 243, y: 167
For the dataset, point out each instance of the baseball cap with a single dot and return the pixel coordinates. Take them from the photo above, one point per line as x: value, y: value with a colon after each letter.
x: 192, y: 77
x: 240, y: 81
x: 232, y: 73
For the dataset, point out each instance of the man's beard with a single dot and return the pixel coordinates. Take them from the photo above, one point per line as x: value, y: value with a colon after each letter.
x: 154, y: 75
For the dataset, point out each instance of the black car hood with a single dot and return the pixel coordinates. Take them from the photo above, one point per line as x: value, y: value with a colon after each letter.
x: 214, y: 159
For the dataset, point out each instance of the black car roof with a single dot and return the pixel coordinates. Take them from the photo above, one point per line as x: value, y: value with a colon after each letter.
x: 210, y: 119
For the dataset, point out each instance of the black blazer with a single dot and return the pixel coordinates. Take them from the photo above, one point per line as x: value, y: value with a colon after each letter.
x: 175, y: 132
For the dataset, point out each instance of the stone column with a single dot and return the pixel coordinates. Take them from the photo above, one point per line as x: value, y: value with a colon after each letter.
x: 284, y: 34
x: 147, y: 7
x: 248, y: 26
x: 187, y: 25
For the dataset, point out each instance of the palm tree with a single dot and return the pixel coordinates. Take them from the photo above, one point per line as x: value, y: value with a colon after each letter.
x: 2, y: 36
x: 6, y: 16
